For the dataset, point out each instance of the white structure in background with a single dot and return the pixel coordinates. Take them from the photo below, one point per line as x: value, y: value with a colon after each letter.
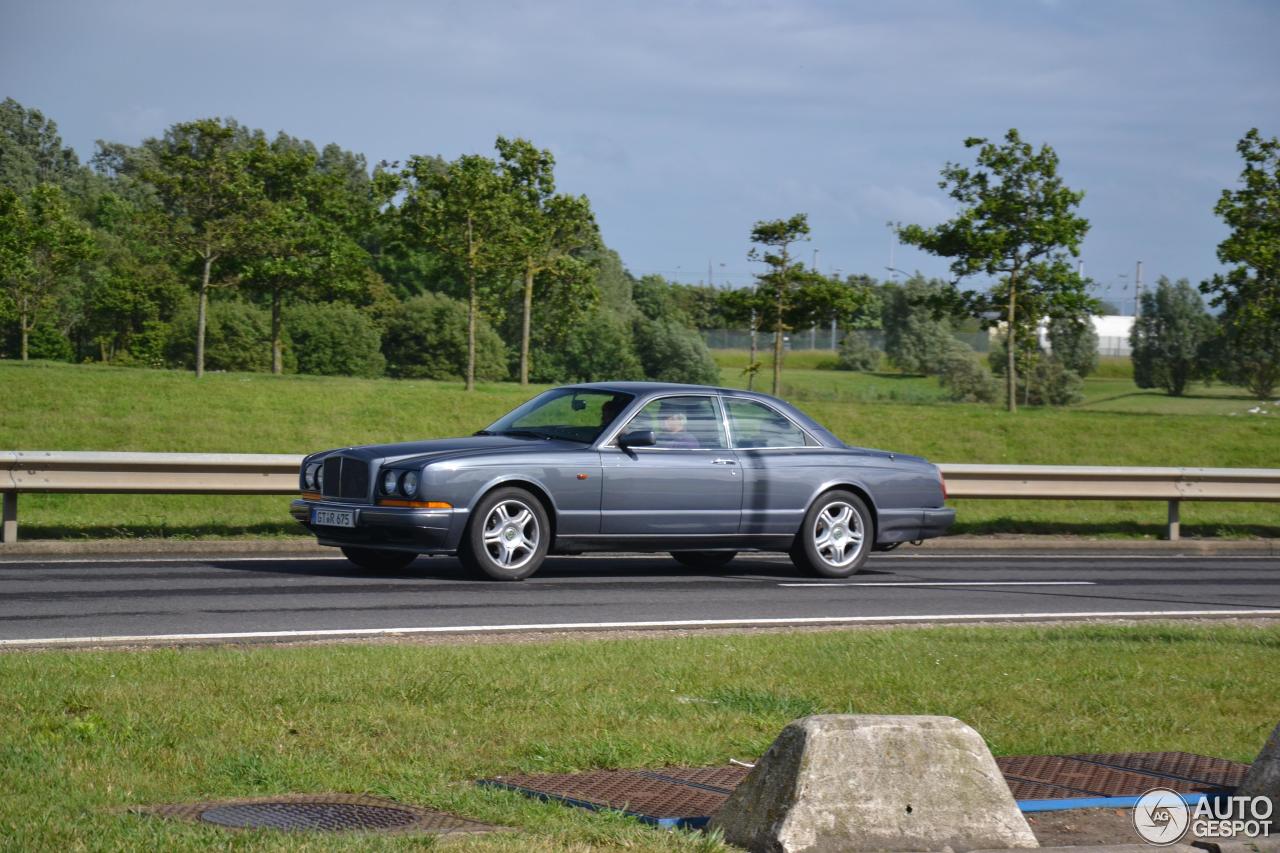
x: 1113, y: 333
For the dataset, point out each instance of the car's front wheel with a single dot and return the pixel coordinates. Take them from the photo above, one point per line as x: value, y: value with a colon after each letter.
x: 507, y: 537
x: 704, y: 559
x: 378, y: 560
x: 836, y: 536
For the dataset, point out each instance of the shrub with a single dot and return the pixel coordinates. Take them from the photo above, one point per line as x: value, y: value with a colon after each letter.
x: 1075, y: 342
x: 965, y: 379
x: 334, y: 339
x: 1169, y: 338
x: 856, y: 353
x: 670, y: 352
x: 426, y: 338
x: 237, y: 337
x: 1051, y: 383
x: 598, y: 348
x: 914, y: 340
x: 44, y: 341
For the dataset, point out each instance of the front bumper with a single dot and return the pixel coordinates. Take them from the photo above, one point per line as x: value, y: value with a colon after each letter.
x: 423, y: 531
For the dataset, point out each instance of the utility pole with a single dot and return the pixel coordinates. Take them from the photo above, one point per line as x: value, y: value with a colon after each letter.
x: 1137, y: 292
x: 833, y: 321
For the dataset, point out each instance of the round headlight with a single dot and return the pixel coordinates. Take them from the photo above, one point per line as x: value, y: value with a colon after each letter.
x: 320, y: 476
x: 409, y: 484
x: 389, y: 479
x: 309, y: 476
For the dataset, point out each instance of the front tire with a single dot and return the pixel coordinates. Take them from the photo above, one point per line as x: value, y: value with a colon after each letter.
x: 836, y: 536
x: 704, y: 559
x: 378, y: 560
x: 507, y: 537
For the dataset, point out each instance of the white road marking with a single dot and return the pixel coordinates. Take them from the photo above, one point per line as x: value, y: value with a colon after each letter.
x: 674, y: 623
x: 24, y: 559
x: 948, y: 583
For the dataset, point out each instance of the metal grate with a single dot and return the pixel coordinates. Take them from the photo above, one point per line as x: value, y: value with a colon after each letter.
x: 643, y: 794
x: 1215, y: 773
x: 687, y: 796
x: 328, y: 817
x: 320, y: 813
x: 346, y: 477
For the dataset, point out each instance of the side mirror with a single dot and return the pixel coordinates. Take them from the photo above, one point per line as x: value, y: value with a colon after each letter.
x: 638, y: 438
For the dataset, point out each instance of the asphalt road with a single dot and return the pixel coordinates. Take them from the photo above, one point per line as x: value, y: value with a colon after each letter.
x: 122, y: 599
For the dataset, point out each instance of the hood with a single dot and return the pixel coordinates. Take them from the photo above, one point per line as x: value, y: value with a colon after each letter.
x: 422, y: 452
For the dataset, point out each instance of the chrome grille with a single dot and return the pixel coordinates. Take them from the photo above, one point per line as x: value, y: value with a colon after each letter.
x: 346, y: 478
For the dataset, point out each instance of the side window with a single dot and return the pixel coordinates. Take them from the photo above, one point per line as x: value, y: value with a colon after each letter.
x: 682, y: 423
x: 755, y: 425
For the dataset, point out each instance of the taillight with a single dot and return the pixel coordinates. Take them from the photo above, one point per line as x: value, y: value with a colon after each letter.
x: 942, y: 481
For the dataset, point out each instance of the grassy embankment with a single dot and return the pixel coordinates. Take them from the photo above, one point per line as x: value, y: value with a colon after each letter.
x: 90, y: 733
x: 64, y: 407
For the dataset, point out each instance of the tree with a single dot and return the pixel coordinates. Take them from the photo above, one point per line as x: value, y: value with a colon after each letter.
x: 550, y: 230
x: 1016, y: 223
x: 41, y: 244
x: 1075, y: 342
x: 203, y: 172
x: 31, y: 151
x: 1249, y: 293
x: 463, y: 211
x: 775, y: 285
x: 915, y: 340
x: 306, y: 245
x: 1169, y: 336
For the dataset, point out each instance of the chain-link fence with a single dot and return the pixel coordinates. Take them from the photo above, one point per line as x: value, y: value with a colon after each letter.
x: 819, y: 339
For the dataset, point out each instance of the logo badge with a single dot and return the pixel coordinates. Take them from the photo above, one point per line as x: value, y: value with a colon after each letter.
x: 1160, y: 816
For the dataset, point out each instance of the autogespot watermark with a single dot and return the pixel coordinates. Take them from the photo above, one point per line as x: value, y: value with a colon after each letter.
x: 1162, y: 817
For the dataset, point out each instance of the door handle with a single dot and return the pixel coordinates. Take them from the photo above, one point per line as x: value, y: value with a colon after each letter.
x: 723, y: 462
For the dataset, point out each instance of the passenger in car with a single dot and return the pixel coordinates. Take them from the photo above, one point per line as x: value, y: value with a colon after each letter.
x: 672, y: 423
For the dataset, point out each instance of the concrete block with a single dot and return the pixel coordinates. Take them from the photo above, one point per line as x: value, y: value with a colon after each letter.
x: 874, y: 783
x: 1263, y: 778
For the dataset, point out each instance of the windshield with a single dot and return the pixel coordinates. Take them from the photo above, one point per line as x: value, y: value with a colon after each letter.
x: 572, y: 414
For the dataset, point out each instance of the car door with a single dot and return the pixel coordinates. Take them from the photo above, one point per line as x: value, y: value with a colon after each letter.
x: 687, y: 484
x: 780, y: 465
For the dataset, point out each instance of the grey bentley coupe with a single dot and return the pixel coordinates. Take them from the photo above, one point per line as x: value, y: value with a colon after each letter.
x: 701, y: 472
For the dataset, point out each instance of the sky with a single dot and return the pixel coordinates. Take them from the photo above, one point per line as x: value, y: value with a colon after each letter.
x: 686, y: 122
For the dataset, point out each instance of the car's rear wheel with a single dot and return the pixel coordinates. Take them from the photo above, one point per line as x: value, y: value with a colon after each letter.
x: 704, y: 559
x: 507, y: 537
x: 379, y: 560
x: 836, y: 536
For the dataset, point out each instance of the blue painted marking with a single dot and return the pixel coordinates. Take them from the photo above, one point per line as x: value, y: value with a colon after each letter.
x: 1099, y: 803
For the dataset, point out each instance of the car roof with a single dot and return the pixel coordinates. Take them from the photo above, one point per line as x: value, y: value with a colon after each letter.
x: 660, y: 387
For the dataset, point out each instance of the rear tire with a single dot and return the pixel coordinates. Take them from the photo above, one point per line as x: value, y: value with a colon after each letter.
x: 704, y: 559
x: 378, y: 560
x: 836, y: 536
x: 507, y: 537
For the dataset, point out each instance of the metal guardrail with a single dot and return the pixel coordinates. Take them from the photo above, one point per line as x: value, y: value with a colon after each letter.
x: 36, y: 471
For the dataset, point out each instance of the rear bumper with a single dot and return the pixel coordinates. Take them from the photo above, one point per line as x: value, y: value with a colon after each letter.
x: 936, y: 522
x: 423, y: 531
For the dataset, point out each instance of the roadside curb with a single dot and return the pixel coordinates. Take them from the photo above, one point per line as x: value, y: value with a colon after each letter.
x: 1076, y: 545
x: 945, y: 546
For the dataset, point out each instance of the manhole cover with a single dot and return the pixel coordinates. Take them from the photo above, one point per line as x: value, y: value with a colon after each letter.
x: 333, y: 817
x: 320, y: 813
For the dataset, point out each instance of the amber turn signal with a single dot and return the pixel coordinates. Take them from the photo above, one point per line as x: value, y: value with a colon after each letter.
x: 311, y: 496
x: 415, y: 504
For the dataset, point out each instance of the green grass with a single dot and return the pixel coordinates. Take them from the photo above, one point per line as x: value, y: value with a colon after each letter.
x: 47, y: 406
x: 88, y: 734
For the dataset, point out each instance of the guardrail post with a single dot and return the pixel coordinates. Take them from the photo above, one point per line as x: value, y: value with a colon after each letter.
x: 1175, y: 521
x: 9, y: 532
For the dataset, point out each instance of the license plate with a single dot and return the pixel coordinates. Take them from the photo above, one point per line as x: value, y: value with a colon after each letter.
x: 334, y: 517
